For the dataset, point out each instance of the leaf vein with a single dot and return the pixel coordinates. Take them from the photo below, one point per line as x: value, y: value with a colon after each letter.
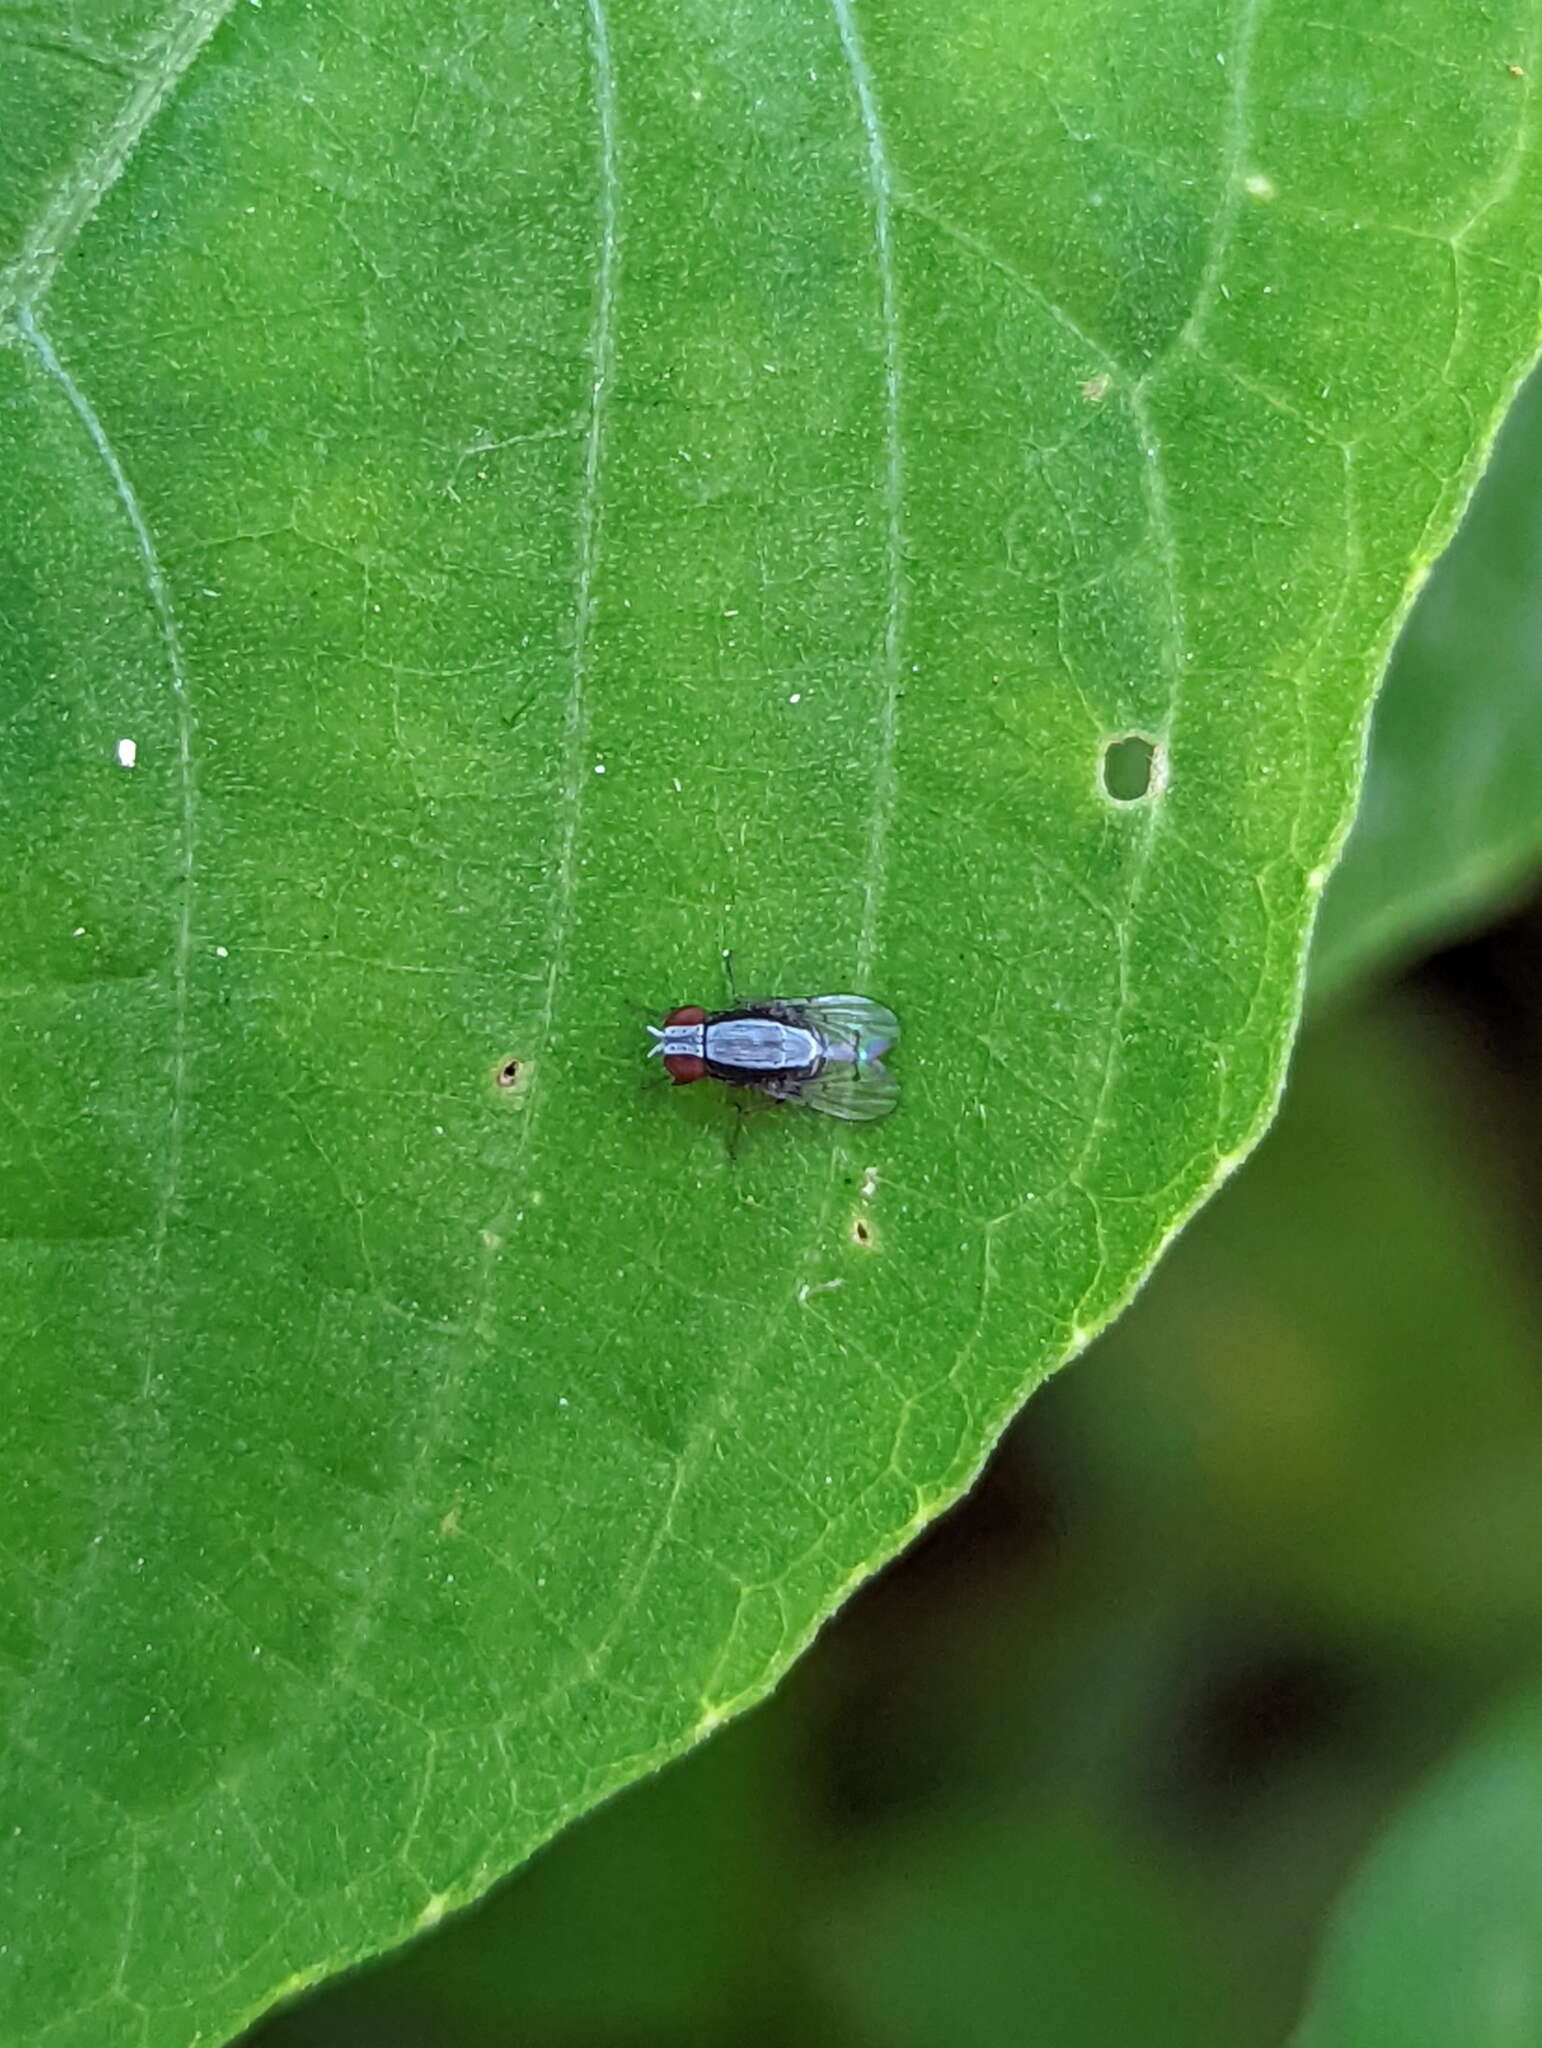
x: 1508, y: 175
x: 1154, y: 484
x: 166, y: 622
x: 1234, y: 149
x: 881, y: 187
x: 881, y: 182
x: 97, y: 168
x: 602, y: 348
x: 1102, y: 354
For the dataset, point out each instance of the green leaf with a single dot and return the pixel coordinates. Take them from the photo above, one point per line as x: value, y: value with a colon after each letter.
x: 1149, y: 1694
x: 1439, y: 1938
x: 503, y: 504
x: 671, y: 1914
x: 1451, y: 816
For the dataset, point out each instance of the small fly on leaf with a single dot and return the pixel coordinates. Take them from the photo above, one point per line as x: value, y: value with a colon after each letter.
x: 823, y: 1051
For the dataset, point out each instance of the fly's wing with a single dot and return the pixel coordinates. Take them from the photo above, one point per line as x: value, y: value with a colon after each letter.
x: 854, y: 1027
x: 853, y: 1083
x: 858, y: 1091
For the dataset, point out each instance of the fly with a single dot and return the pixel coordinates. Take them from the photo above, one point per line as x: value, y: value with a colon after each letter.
x: 823, y: 1051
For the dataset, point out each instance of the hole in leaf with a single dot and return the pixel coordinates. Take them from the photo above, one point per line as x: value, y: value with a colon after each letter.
x: 508, y: 1074
x: 1133, y: 768
x: 862, y: 1232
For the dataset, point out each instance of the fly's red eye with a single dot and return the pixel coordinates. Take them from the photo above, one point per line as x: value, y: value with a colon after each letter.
x: 692, y: 1013
x: 684, y: 1066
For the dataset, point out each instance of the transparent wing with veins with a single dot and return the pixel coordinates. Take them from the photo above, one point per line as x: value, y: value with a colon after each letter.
x: 853, y: 1084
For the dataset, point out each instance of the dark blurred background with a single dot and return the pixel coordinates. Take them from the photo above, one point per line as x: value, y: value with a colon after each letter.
x: 1091, y: 1764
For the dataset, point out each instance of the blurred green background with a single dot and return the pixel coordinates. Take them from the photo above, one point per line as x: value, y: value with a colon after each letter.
x: 1095, y: 1763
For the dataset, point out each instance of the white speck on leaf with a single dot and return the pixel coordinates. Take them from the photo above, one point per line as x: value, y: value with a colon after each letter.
x: 818, y: 1287
x: 127, y: 752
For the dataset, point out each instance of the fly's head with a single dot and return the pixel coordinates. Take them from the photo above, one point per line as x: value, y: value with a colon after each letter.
x: 681, y: 1043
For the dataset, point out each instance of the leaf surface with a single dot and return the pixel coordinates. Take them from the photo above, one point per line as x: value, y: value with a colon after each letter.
x: 1436, y: 1938
x: 503, y: 504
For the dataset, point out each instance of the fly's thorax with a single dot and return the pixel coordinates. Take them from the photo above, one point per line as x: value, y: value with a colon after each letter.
x: 762, y: 1045
x: 682, y: 1041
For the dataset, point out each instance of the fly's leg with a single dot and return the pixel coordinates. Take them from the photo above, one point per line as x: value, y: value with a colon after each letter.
x: 728, y: 976
x: 740, y: 1113
x: 744, y: 1107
